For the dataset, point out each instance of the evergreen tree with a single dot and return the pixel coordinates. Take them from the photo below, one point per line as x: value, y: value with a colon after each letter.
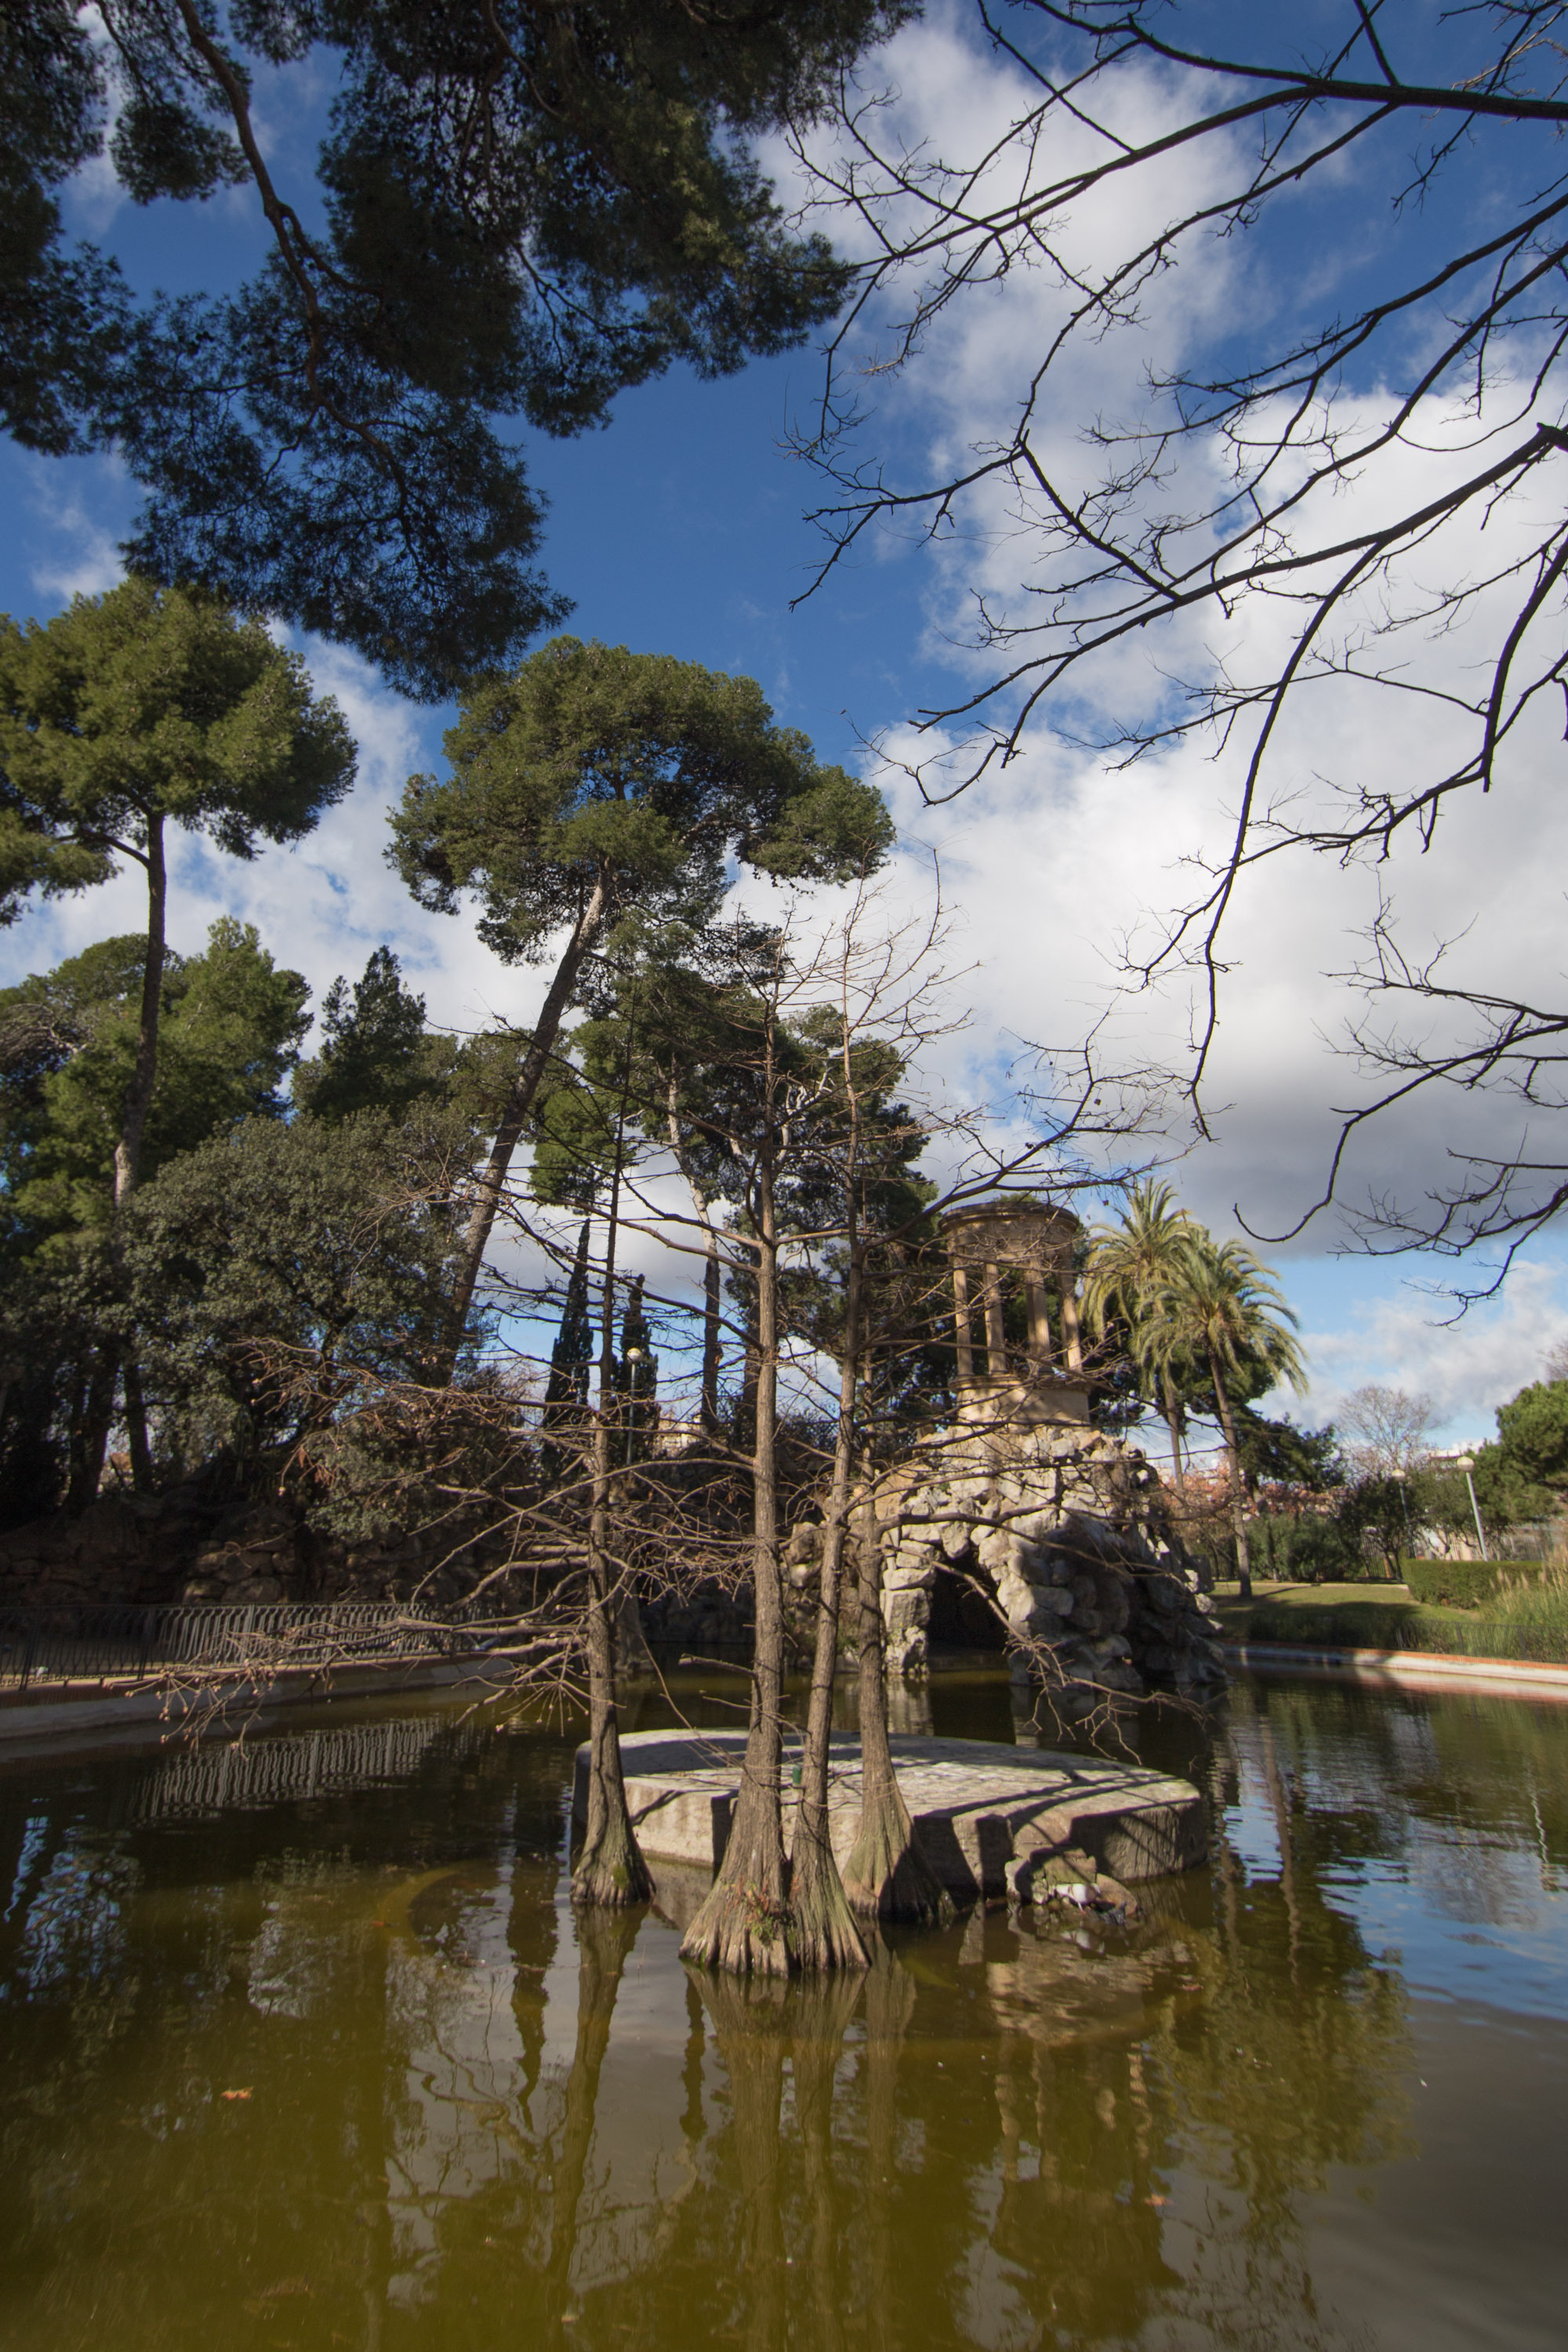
x: 376, y: 1052
x: 571, y: 1357
x: 518, y: 212
x: 1222, y: 1308
x: 1130, y: 1267
x: 600, y: 791
x: 230, y: 1023
x: 139, y: 709
x: 270, y: 1269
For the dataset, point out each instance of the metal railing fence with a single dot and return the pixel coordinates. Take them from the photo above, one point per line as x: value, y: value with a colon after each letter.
x: 228, y: 1776
x: 99, y: 1642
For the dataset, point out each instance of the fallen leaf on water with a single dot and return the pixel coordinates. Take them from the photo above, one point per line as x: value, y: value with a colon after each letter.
x: 234, y: 2095
x: 1156, y: 2200
x: 285, y: 2290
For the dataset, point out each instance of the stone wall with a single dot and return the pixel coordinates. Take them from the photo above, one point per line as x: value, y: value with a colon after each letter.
x: 1066, y: 1528
x: 122, y: 1547
x: 186, y: 1546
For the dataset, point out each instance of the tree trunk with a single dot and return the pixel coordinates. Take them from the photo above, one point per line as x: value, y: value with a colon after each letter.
x: 610, y: 1872
x: 138, y: 1097
x: 136, y: 1428
x: 713, y: 1340
x: 91, y: 1440
x: 1174, y: 1424
x: 1237, y: 1486
x: 713, y: 1328
x: 743, y: 1426
x: 135, y: 1104
x: 610, y: 1869
x: 886, y: 1876
x: 824, y: 1927
x: 519, y: 1103
x: 742, y: 1923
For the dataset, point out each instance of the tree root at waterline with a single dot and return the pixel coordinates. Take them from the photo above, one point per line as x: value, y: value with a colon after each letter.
x: 742, y: 1923
x: 886, y: 1876
x: 611, y: 1873
x: 741, y: 1928
x: 822, y: 1930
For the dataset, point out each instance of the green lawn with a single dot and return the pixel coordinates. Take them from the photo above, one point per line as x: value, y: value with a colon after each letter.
x: 1384, y: 1617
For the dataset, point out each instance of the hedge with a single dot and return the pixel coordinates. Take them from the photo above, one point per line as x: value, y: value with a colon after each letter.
x: 1463, y: 1583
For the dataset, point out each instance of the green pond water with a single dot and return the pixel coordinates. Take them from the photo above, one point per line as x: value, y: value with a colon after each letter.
x: 300, y: 2045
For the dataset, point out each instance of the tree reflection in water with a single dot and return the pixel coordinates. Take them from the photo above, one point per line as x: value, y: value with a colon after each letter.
x: 471, y: 2117
x: 820, y: 2015
x: 604, y: 1940
x: 751, y: 2020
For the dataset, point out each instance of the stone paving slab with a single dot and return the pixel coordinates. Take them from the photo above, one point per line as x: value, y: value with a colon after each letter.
x: 974, y: 1804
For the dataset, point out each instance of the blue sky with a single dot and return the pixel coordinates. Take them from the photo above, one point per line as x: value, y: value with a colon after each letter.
x: 681, y: 528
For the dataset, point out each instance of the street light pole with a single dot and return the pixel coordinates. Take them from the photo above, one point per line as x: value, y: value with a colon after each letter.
x: 1467, y: 1464
x: 633, y: 1357
x: 1404, y: 1497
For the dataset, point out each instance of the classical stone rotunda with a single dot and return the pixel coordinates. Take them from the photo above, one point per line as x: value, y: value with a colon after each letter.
x: 1022, y: 1499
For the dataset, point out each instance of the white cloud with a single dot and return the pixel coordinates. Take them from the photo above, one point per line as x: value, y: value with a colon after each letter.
x: 1469, y: 1367
x: 321, y: 906
x: 1054, y: 861
x: 80, y: 557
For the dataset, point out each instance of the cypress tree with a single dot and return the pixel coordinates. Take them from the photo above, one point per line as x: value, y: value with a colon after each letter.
x: 571, y: 1356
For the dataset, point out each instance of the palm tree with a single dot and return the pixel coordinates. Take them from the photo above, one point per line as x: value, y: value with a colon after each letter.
x: 1131, y: 1268
x: 1223, y: 1308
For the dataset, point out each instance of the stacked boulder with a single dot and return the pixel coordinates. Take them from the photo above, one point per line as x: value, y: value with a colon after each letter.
x: 1066, y: 1528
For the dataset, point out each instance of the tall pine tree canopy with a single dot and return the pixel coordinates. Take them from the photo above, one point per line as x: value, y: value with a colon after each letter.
x: 633, y: 779
x: 517, y: 211
x: 231, y: 1026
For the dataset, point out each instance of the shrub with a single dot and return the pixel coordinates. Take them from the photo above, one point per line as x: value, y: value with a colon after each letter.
x: 1319, y: 1551
x: 1463, y: 1583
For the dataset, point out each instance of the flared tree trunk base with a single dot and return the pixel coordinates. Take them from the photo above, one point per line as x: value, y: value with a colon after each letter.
x: 888, y: 1877
x: 611, y: 1873
x: 742, y: 1929
x: 823, y: 1932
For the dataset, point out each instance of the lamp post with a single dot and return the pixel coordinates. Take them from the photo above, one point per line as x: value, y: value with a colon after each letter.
x: 1465, y: 1462
x: 633, y: 1357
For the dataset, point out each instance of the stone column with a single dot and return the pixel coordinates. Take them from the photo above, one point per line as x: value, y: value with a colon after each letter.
x: 1069, y: 1315
x: 1039, y: 1320
x: 961, y: 1323
x: 995, y: 1344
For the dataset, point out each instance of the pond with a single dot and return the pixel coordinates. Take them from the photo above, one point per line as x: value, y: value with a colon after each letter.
x: 300, y: 2045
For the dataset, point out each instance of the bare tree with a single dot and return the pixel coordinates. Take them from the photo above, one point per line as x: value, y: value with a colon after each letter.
x: 741, y: 1924
x: 1315, y: 518
x: 610, y: 1869
x: 1389, y: 1430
